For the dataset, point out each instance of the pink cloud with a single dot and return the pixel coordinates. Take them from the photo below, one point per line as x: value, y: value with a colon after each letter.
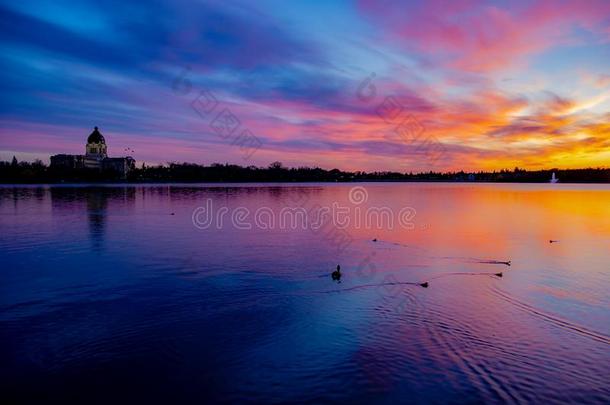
x: 478, y: 36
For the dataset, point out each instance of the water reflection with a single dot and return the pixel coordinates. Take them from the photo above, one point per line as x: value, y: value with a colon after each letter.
x: 95, y: 202
x: 164, y: 311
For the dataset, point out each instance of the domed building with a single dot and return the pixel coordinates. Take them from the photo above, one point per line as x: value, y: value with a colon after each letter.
x: 95, y: 157
x: 95, y: 151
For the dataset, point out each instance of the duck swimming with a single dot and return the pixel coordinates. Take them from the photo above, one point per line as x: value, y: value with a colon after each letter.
x: 425, y: 284
x: 498, y: 274
x: 336, y: 275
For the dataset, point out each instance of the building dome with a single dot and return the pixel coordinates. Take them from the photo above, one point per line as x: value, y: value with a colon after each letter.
x: 96, y: 137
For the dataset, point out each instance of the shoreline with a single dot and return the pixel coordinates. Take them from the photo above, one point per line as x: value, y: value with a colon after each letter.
x: 280, y: 182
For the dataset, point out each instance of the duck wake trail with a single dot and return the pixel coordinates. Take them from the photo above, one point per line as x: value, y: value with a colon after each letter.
x: 553, y: 319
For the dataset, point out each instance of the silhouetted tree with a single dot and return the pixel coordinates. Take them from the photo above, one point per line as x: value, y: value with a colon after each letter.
x: 276, y: 165
x: 37, y: 172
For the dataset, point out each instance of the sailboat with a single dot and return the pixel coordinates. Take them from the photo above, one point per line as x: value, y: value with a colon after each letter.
x: 554, y: 179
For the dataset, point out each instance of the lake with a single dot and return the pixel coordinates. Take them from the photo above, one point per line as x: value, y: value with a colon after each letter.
x: 199, y: 293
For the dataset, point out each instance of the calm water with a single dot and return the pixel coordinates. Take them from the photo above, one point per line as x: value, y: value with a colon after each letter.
x: 106, y: 295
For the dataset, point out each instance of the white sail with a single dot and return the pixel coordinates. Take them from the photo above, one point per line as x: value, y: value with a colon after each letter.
x: 554, y: 179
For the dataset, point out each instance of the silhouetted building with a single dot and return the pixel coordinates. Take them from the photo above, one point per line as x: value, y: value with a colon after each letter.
x: 95, y: 157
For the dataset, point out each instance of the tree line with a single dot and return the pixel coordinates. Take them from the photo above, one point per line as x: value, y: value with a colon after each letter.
x: 38, y: 172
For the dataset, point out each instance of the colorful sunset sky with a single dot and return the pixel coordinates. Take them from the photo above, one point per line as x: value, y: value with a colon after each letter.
x: 496, y: 84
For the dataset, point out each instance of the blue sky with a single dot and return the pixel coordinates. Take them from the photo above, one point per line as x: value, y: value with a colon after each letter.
x: 487, y: 84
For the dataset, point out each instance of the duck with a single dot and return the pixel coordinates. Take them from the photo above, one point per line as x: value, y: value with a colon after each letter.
x: 424, y: 284
x: 553, y: 241
x: 498, y: 274
x: 375, y: 240
x: 336, y: 275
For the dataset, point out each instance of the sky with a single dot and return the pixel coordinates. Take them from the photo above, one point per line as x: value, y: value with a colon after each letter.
x: 356, y: 85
